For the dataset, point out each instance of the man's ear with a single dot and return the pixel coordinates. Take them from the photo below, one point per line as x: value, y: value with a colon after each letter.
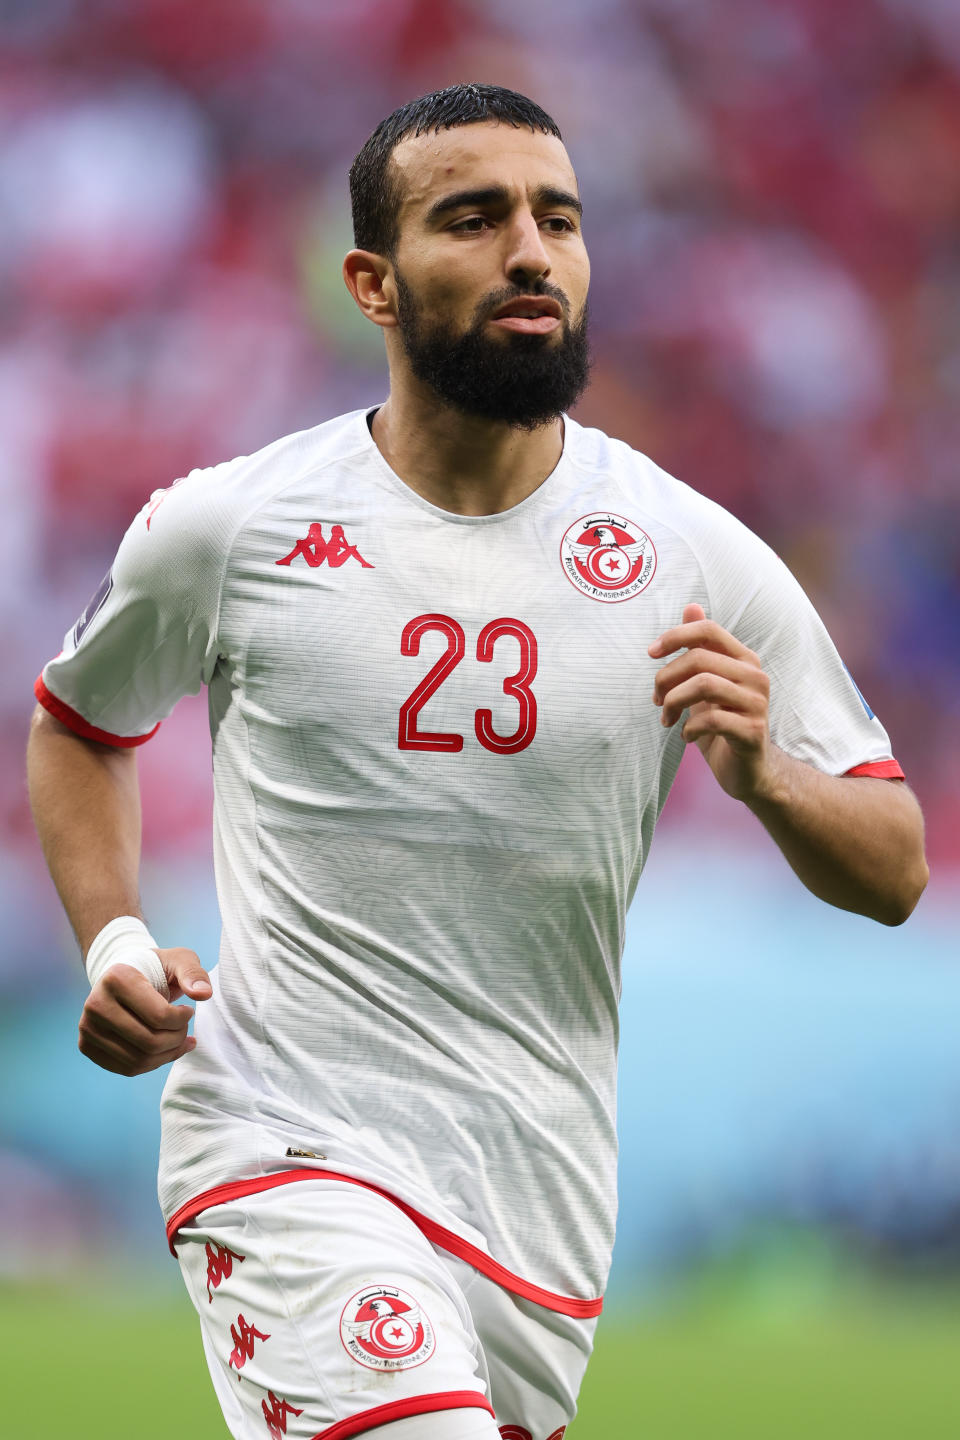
x: 364, y: 273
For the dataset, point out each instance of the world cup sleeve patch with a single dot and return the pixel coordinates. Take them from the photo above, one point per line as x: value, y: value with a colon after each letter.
x: 608, y: 557
x: 384, y: 1328
x: 94, y: 605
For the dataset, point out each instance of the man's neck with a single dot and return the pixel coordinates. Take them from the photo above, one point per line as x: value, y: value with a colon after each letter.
x: 461, y: 464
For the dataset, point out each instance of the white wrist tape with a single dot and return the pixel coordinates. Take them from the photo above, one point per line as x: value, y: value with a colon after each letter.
x: 127, y: 941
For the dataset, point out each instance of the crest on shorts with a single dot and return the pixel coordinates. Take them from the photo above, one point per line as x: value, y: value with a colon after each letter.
x: 608, y: 557
x: 384, y: 1328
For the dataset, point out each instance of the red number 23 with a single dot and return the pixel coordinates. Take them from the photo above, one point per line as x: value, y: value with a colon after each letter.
x: 517, y: 686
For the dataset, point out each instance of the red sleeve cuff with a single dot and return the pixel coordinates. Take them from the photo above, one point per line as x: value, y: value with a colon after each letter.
x: 81, y: 727
x: 880, y: 769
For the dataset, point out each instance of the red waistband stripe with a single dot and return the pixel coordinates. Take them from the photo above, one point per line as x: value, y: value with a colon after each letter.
x: 438, y: 1235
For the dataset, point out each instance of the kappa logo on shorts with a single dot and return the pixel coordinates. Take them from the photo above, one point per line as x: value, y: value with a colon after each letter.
x: 608, y: 557
x: 220, y: 1260
x: 384, y: 1328
x: 276, y: 1414
x: 244, y: 1337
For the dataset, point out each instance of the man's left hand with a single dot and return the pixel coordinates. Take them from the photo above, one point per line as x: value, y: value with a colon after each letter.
x: 727, y: 693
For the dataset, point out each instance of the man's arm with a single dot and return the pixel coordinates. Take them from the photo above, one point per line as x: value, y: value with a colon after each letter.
x: 86, y: 806
x: 854, y: 841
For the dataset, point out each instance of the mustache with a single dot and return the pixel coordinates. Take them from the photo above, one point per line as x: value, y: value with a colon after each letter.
x: 492, y: 302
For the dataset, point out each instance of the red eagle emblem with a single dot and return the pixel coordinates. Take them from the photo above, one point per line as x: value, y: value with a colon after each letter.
x: 385, y: 1329
x: 608, y: 557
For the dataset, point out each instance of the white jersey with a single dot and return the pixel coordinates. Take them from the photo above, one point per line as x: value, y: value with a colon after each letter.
x: 437, y: 770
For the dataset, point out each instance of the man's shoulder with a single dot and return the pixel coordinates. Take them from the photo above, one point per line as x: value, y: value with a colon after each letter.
x: 219, y: 498
x: 674, y: 503
x: 694, y: 535
x: 281, y: 461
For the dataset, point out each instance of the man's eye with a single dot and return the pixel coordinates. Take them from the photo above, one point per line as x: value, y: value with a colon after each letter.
x: 471, y: 223
x: 559, y: 222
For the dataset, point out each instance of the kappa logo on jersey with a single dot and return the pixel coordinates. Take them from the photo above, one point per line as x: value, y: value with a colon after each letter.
x: 158, y: 497
x: 607, y: 557
x: 316, y: 549
x: 385, y: 1329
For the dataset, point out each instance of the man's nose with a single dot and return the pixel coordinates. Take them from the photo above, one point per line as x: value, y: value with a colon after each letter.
x: 527, y: 258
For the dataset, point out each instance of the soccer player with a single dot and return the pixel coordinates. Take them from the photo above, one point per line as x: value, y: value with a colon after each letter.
x: 454, y: 647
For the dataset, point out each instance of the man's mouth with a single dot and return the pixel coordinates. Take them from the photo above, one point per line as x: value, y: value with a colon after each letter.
x: 535, y: 315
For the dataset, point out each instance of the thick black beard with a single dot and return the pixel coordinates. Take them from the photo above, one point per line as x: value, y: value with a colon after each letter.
x: 525, y: 381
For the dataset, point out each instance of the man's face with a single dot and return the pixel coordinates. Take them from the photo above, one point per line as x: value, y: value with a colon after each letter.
x: 489, y: 218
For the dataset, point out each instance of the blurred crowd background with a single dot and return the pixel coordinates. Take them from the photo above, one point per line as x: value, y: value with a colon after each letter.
x: 772, y: 207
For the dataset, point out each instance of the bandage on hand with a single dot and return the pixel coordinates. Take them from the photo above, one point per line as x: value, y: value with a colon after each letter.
x: 127, y: 941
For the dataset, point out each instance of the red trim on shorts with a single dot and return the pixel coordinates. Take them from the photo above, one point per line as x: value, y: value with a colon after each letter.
x: 402, y: 1409
x: 881, y: 769
x: 62, y: 712
x: 437, y: 1235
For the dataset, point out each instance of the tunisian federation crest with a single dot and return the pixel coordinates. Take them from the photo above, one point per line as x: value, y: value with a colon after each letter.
x: 384, y: 1328
x: 608, y: 557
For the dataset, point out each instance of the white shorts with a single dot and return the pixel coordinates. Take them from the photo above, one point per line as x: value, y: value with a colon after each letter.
x: 326, y: 1312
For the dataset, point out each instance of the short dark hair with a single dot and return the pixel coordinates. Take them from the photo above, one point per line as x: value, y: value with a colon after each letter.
x: 374, y: 196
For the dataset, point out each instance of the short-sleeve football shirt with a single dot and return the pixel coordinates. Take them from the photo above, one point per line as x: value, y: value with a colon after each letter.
x: 437, y: 769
